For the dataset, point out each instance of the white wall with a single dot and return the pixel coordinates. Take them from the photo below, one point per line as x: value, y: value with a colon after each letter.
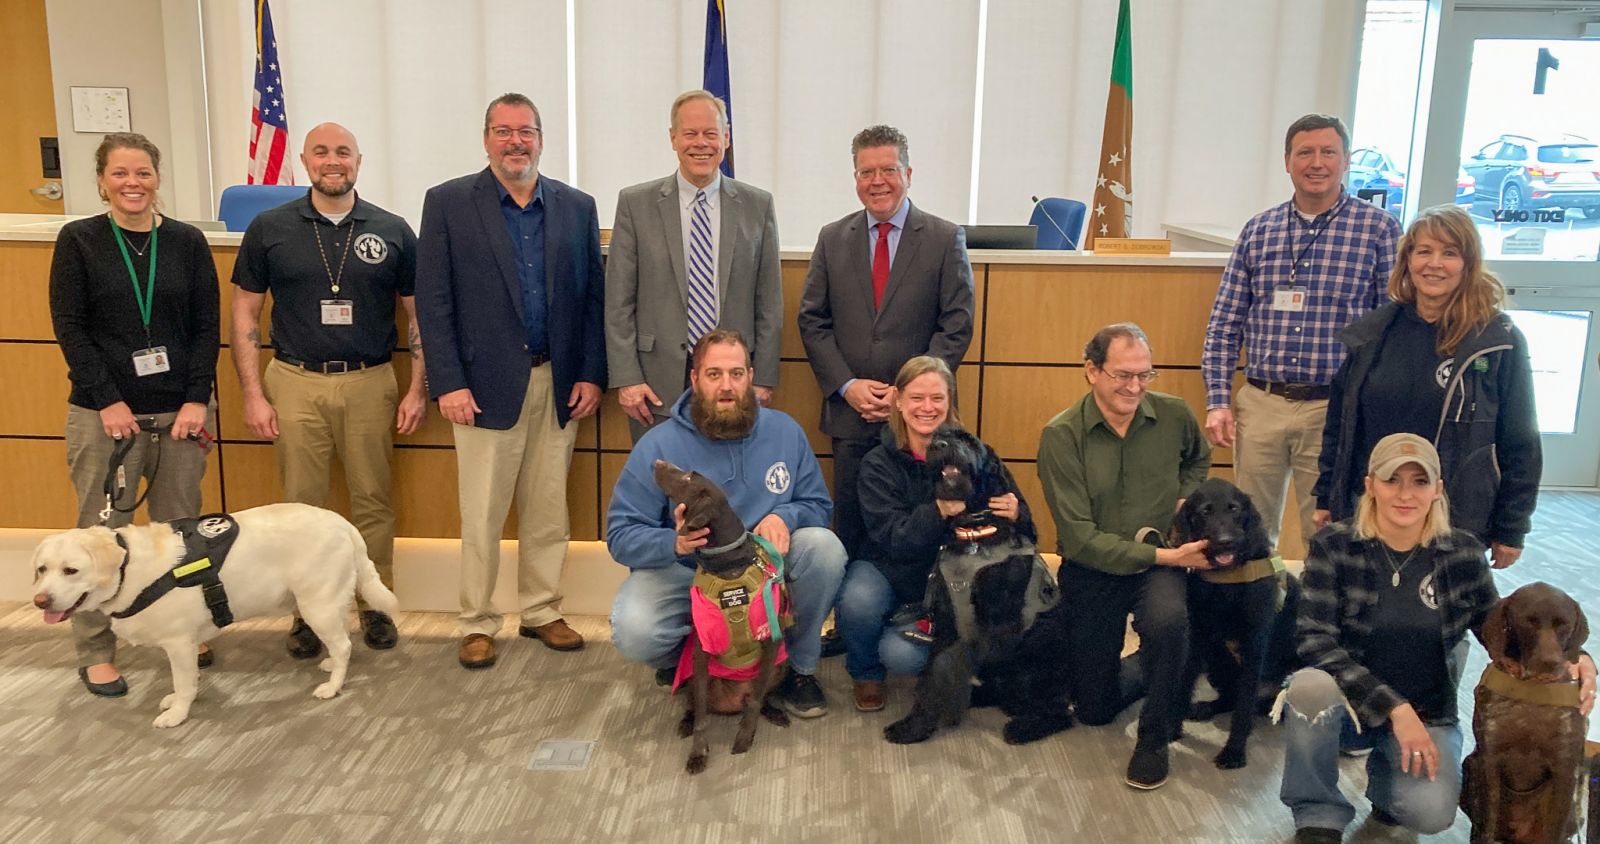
x: 1215, y: 82
x: 106, y: 43
x: 152, y: 48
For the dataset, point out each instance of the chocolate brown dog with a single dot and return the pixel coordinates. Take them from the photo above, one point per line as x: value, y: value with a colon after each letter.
x: 727, y: 559
x: 1522, y: 781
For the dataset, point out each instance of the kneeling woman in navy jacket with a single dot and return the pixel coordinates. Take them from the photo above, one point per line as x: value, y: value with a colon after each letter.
x: 905, y: 528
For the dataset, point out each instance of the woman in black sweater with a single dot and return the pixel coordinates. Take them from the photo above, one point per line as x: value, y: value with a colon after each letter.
x: 134, y: 301
x: 1442, y: 361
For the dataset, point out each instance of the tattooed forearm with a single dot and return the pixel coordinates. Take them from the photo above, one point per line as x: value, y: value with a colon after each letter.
x: 254, y: 337
x: 414, y: 338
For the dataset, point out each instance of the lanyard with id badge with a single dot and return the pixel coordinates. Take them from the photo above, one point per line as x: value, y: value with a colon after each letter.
x: 1291, y: 297
x: 152, y: 359
x: 335, y: 311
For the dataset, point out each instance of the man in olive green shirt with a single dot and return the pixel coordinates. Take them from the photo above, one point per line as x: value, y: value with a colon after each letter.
x: 1121, y: 459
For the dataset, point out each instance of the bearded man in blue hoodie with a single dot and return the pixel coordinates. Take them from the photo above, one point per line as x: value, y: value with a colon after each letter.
x: 763, y: 461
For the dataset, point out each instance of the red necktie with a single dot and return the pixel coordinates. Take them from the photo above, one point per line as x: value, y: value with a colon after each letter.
x: 880, y: 265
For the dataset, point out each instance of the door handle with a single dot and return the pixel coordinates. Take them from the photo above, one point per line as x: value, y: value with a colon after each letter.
x: 48, y: 190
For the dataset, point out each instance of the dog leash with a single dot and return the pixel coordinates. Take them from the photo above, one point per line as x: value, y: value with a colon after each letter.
x: 116, y: 481
x: 769, y: 592
x: 116, y: 471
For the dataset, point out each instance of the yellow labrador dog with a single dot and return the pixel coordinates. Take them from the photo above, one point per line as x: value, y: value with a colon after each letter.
x: 286, y: 556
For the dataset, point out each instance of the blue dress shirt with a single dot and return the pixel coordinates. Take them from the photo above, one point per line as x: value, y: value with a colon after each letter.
x: 525, y: 226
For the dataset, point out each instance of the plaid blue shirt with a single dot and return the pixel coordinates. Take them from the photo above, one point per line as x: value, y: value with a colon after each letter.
x: 1345, y: 256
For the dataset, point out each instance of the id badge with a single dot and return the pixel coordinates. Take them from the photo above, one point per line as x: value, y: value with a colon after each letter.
x: 151, y: 361
x: 338, y: 312
x: 1291, y: 299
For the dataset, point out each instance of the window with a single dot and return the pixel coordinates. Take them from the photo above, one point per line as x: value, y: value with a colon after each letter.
x: 1386, y: 103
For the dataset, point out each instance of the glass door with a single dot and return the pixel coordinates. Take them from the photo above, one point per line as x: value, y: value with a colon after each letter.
x: 1512, y: 132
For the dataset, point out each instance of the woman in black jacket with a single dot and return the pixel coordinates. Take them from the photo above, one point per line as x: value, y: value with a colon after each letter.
x: 905, y: 528
x: 134, y: 302
x: 1443, y: 361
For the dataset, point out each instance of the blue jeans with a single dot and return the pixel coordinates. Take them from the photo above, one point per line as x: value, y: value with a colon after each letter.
x: 873, y: 647
x: 1314, y: 713
x: 650, y: 617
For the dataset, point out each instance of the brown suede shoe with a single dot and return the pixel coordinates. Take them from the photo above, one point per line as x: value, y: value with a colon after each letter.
x: 477, y: 651
x: 556, y: 635
x: 869, y: 695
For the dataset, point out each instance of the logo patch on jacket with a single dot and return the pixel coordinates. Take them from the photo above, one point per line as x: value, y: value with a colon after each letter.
x: 778, y: 478
x: 1441, y: 375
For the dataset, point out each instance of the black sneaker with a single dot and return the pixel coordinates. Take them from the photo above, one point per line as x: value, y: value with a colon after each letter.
x: 303, y: 643
x: 1148, y: 768
x: 378, y: 629
x: 665, y: 676
x: 1318, y: 835
x: 801, y: 696
x: 1383, y: 817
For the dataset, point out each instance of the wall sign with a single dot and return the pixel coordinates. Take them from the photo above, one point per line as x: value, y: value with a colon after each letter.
x: 100, y: 110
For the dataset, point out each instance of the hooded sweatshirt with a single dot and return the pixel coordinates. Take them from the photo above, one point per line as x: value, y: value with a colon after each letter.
x: 771, y: 470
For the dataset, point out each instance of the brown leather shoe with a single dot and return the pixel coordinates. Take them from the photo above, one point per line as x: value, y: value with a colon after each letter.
x: 477, y: 651
x: 869, y: 695
x: 556, y: 635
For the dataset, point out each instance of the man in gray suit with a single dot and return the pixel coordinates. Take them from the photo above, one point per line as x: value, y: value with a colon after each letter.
x: 885, y: 285
x: 691, y: 252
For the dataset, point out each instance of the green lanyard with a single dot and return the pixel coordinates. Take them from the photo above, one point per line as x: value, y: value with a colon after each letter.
x: 148, y: 296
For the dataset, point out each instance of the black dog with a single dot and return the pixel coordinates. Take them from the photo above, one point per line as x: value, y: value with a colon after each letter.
x: 986, y: 594
x: 1241, y: 613
x: 734, y: 553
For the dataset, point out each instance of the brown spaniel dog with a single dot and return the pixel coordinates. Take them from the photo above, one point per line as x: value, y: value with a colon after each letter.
x: 1521, y: 783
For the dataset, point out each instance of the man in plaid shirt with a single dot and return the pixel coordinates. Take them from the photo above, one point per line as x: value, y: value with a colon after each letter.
x: 1300, y: 272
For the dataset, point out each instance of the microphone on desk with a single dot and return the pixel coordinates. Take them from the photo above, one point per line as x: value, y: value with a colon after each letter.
x: 1063, y: 232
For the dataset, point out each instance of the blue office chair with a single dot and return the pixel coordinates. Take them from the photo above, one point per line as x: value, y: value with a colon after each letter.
x: 1060, y: 222
x: 241, y: 203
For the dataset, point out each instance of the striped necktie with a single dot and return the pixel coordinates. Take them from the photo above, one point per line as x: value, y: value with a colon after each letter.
x: 702, y: 304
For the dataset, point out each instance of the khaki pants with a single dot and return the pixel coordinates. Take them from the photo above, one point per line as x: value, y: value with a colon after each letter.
x: 350, y: 415
x: 172, y: 470
x: 1277, y: 439
x: 529, y: 462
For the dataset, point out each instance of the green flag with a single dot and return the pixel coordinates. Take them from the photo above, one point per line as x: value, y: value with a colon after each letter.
x: 1112, y: 212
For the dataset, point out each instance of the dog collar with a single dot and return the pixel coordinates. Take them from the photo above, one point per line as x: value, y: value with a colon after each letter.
x: 1501, y: 682
x: 976, y: 534
x: 723, y: 549
x: 122, y: 570
x: 1246, y: 572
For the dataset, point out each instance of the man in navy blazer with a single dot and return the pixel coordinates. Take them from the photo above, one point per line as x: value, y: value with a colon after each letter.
x: 511, y: 299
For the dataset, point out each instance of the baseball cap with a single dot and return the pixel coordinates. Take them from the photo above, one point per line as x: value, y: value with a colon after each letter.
x: 1397, y: 450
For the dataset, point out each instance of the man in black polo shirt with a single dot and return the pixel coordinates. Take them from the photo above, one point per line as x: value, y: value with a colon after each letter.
x: 334, y: 265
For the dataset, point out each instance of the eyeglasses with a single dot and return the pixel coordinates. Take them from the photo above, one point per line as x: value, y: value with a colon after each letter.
x: 866, y: 174
x: 1124, y: 377
x: 504, y: 133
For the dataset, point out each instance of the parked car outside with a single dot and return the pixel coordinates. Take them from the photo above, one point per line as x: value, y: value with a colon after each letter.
x: 1523, y: 173
x: 1372, y: 169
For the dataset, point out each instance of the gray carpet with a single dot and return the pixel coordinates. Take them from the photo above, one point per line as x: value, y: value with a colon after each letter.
x: 417, y: 749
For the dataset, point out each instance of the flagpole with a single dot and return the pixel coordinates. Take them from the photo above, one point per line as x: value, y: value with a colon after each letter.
x: 1111, y: 213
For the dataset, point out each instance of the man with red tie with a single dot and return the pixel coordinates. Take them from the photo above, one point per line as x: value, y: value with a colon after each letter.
x: 884, y: 286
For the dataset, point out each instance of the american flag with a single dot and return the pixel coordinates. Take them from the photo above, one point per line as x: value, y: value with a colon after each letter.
x: 269, y: 128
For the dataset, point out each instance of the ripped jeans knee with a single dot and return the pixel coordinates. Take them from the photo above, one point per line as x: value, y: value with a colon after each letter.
x: 1312, y: 694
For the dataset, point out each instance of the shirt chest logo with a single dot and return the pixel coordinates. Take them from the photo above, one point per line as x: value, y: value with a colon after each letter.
x: 778, y: 478
x: 371, y: 248
x: 1427, y: 593
x: 1441, y: 374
